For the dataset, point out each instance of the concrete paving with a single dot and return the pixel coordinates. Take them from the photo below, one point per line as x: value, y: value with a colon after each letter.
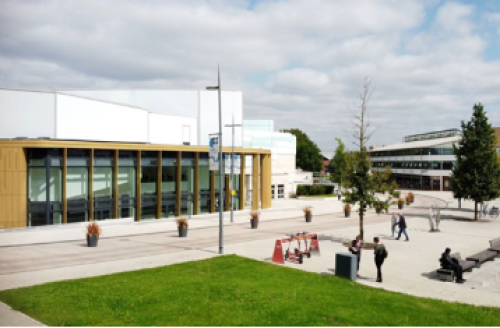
x: 125, y: 246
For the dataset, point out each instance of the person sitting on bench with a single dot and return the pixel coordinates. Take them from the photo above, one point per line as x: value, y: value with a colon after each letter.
x: 451, y: 263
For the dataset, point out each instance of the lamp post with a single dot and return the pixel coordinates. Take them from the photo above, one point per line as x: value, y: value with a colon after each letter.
x: 232, y: 164
x: 221, y: 218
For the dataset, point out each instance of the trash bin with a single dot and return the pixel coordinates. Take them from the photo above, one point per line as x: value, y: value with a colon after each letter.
x: 345, y: 265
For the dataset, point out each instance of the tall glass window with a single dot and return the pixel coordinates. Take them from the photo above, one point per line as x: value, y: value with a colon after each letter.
x: 187, y: 184
x: 77, y: 185
x: 169, y: 184
x: 127, y: 162
x: 103, y: 184
x: 149, y: 178
x: 236, y: 188
x: 204, y: 196
x: 217, y: 189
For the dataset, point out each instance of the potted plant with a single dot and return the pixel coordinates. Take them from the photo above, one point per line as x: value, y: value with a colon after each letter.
x: 93, y: 232
x: 347, y: 210
x: 182, y: 224
x: 378, y: 208
x: 411, y: 196
x: 308, y: 213
x: 400, y: 203
x: 254, y: 219
x: 408, y: 199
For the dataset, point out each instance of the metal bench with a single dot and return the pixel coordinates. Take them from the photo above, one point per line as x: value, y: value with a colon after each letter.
x: 449, y: 274
x: 481, y: 257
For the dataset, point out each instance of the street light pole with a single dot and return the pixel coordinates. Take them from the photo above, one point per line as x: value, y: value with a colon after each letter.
x: 221, y: 216
x: 232, y: 164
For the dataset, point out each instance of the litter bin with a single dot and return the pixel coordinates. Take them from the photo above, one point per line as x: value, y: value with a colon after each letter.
x: 345, y: 265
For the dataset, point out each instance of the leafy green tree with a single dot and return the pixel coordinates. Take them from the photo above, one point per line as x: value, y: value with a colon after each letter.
x: 308, y: 155
x: 476, y: 174
x: 339, y: 163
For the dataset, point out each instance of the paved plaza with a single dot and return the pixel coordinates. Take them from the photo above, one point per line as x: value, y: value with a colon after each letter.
x: 52, y: 254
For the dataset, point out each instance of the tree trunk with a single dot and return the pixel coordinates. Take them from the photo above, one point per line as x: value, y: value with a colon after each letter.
x: 459, y: 203
x: 475, y: 210
x: 361, y: 220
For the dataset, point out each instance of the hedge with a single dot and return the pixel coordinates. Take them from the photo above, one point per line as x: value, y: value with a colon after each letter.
x: 309, y: 190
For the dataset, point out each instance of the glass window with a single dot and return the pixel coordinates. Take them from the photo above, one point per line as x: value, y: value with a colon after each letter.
x: 169, y: 183
x: 149, y: 179
x: 127, y: 161
x: 447, y: 165
x: 447, y: 151
x: 204, y: 196
x: 187, y: 183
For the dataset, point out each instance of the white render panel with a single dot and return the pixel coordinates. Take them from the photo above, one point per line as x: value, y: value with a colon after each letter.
x: 209, y: 116
x: 27, y: 114
x: 171, y: 130
x: 83, y: 119
x: 170, y: 102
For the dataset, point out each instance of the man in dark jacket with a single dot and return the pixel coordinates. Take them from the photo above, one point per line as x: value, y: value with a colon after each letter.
x: 380, y: 255
x: 402, y: 227
x: 448, y: 262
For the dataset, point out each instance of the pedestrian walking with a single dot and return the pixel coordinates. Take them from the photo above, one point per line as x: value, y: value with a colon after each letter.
x: 339, y: 194
x: 356, y: 247
x: 394, y: 223
x: 380, y: 253
x: 402, y: 226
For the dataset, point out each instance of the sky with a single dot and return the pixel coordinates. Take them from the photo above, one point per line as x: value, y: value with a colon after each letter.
x: 300, y: 63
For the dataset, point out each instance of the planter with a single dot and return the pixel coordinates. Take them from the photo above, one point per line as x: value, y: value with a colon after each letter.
x: 347, y: 214
x: 183, y: 231
x: 92, y: 240
x: 412, y: 200
x: 254, y: 223
x: 309, y: 217
x: 378, y: 210
x: 400, y: 206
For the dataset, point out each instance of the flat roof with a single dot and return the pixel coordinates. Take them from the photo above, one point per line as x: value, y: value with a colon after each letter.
x: 420, y: 144
x: 35, y: 143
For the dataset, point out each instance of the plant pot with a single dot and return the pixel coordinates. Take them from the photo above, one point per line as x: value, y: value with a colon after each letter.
x: 347, y: 214
x: 254, y: 223
x: 309, y: 217
x: 183, y: 231
x: 400, y: 206
x: 92, y: 240
x: 378, y: 210
x: 408, y: 203
x: 411, y: 201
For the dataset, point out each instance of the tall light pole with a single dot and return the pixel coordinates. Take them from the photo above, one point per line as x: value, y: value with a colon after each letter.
x: 221, y: 217
x: 232, y: 164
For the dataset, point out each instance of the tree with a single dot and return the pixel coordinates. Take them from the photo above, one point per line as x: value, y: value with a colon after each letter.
x: 476, y: 174
x: 308, y: 155
x: 339, y: 163
x: 362, y: 183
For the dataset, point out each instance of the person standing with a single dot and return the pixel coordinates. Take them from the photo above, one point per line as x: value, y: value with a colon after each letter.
x: 431, y: 217
x: 356, y: 246
x: 339, y: 194
x: 402, y: 227
x: 447, y: 262
x: 394, y: 223
x: 380, y: 254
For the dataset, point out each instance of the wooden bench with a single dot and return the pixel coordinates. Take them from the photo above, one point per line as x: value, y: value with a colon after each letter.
x: 481, y: 257
x: 495, y: 246
x: 449, y: 274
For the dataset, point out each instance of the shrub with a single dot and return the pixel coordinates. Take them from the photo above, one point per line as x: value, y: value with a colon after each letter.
x: 93, y: 229
x: 182, y: 222
x: 254, y: 215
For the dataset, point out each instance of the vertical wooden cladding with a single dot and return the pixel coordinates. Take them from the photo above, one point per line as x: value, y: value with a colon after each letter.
x: 265, y: 175
x: 242, y: 182
x: 159, y: 186
x: 255, y: 182
x: 196, y: 182
x: 13, y: 188
x: 178, y: 183
x: 91, y: 185
x: 138, y: 187
x: 64, y: 188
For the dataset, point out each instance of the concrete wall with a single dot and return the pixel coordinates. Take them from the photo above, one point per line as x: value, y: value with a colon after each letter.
x: 27, y: 114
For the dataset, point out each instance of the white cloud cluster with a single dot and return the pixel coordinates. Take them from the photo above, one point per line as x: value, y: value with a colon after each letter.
x: 299, y: 62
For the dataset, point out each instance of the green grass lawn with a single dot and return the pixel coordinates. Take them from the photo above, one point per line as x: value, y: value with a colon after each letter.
x: 319, y: 196
x: 233, y: 291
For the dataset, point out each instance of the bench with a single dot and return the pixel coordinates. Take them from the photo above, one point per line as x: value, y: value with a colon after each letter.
x: 481, y: 257
x: 495, y: 246
x: 449, y: 274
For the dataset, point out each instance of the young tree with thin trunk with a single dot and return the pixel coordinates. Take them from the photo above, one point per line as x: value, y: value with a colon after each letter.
x: 476, y: 174
x: 339, y: 163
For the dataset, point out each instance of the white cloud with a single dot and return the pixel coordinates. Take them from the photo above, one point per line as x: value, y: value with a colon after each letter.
x: 290, y: 58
